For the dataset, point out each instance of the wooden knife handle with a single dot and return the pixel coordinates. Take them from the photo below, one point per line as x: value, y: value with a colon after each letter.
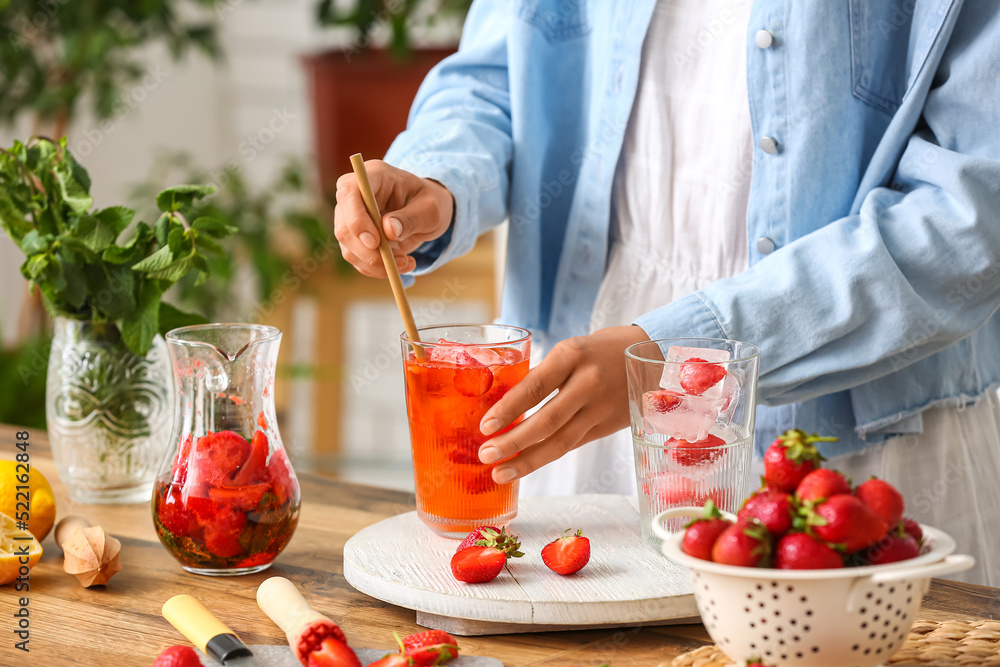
x: 281, y: 601
x: 193, y: 620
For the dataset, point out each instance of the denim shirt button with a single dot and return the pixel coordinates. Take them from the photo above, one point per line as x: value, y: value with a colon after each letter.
x: 765, y: 246
x: 769, y: 145
x: 763, y: 39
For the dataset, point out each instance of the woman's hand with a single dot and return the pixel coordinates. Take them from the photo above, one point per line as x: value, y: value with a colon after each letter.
x: 414, y: 210
x: 589, y: 372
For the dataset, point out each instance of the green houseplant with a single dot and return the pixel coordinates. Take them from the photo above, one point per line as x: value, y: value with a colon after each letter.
x: 54, y: 53
x: 102, y: 278
x: 361, y: 93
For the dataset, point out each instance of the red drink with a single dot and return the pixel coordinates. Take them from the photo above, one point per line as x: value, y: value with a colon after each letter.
x: 448, y: 391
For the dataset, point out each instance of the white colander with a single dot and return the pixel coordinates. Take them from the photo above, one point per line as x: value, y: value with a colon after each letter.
x: 850, y: 617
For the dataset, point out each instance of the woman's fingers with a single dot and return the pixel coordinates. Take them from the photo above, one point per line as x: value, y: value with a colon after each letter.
x: 542, y: 425
x: 575, y: 433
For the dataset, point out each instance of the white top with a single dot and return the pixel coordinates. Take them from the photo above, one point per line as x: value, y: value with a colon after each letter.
x: 680, y: 196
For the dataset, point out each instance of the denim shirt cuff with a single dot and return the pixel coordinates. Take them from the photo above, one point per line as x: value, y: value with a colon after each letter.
x: 687, y: 317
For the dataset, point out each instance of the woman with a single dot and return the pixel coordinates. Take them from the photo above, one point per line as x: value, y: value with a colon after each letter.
x: 819, y: 180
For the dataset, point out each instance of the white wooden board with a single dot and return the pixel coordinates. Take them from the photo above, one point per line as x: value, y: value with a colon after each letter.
x: 400, y: 561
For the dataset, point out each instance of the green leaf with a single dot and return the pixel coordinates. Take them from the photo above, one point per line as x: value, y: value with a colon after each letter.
x: 141, y: 325
x: 172, y: 318
x: 158, y: 260
x: 76, y: 169
x: 208, y: 244
x: 116, y: 218
x: 35, y: 268
x: 33, y: 243
x: 12, y: 219
x: 75, y: 292
x: 175, y: 270
x: 94, y: 233
x: 177, y: 240
x: 172, y: 199
x: 161, y: 228
x: 216, y: 228
x: 74, y: 195
x: 132, y: 251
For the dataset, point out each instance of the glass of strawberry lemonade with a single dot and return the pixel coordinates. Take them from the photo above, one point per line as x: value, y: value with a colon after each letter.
x: 452, y: 378
x: 692, y: 403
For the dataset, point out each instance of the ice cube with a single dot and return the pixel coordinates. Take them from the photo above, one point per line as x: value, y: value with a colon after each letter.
x: 484, y: 355
x: 453, y: 354
x: 680, y: 377
x: 680, y: 416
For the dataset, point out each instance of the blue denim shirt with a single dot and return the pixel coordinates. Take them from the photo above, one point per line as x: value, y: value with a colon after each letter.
x: 881, y: 201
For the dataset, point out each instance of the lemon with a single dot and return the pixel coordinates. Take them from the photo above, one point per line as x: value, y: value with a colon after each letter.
x: 14, y: 544
x: 42, y: 509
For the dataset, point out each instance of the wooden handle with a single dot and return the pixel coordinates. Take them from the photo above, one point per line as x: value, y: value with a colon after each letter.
x: 281, y: 601
x: 193, y: 620
x: 358, y: 163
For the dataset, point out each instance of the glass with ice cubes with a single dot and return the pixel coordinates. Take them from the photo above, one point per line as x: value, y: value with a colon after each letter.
x: 453, y: 376
x: 691, y: 405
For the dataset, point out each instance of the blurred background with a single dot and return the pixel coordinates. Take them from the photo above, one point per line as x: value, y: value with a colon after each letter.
x: 266, y: 100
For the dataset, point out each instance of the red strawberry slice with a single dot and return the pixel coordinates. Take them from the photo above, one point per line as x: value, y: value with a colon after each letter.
x: 698, y: 376
x: 701, y: 533
x: 798, y: 551
x: 775, y: 509
x: 393, y: 660
x: 243, y: 498
x: 661, y: 400
x: 695, y: 453
x: 254, y: 468
x: 216, y: 456
x: 476, y: 565
x: 431, y: 647
x: 333, y: 653
x: 474, y: 381
x: 883, y: 498
x: 567, y: 554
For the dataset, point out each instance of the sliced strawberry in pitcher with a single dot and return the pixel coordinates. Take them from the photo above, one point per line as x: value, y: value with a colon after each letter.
x: 244, y: 498
x: 254, y: 468
x: 216, y: 456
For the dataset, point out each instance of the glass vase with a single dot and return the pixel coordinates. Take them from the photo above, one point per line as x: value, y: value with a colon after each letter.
x: 226, y: 500
x: 107, y: 412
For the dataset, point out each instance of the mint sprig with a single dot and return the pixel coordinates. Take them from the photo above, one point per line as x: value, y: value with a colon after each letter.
x: 76, y: 254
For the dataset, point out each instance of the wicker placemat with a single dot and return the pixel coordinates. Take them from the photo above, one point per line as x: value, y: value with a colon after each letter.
x: 930, y: 644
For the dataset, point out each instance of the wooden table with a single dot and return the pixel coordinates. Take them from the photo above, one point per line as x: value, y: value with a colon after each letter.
x: 121, y: 625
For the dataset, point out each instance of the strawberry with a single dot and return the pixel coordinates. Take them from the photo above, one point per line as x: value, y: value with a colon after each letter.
x: 567, y: 554
x: 661, y: 400
x: 698, y: 376
x: 179, y: 470
x: 846, y: 521
x: 393, y: 660
x: 333, y: 653
x: 243, y: 498
x: 473, y: 381
x: 694, y: 453
x: 822, y: 483
x: 483, y: 562
x: 673, y: 490
x: 216, y: 456
x: 883, y: 498
x: 746, y: 543
x: 283, y: 485
x: 475, y: 565
x: 254, y: 469
x: 477, y: 478
x: 702, y: 532
x: 177, y: 656
x: 481, y: 533
x: 913, y: 528
x: 756, y: 662
x: 431, y: 647
x: 798, y: 551
x: 775, y: 509
x: 791, y: 457
x: 892, y: 548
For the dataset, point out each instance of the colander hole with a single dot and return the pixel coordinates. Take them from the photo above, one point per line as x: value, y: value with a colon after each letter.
x: 867, y: 651
x: 855, y: 647
x: 749, y: 596
x: 765, y: 637
x: 790, y: 589
x: 884, y: 636
x: 711, y: 603
x: 868, y: 595
x: 784, y: 656
x: 898, y: 612
x: 887, y: 622
x: 864, y: 610
x: 809, y: 612
x: 774, y: 584
x: 815, y: 649
x: 803, y: 599
x: 872, y: 636
x: 752, y: 624
x: 878, y: 601
x: 878, y: 651
x: 888, y: 606
x: 880, y: 585
x: 705, y: 587
x: 793, y: 622
x: 909, y: 600
x: 909, y: 587
x: 779, y: 629
x: 774, y: 597
x: 892, y: 589
x: 763, y: 621
x: 760, y: 604
x: 795, y: 638
x: 799, y: 655
x: 747, y: 610
x: 805, y: 628
x: 753, y: 645
x: 781, y: 642
x: 864, y: 626
x: 759, y: 587
x: 777, y: 612
x: 768, y: 653
x: 895, y: 629
x: 905, y: 615
x: 875, y: 618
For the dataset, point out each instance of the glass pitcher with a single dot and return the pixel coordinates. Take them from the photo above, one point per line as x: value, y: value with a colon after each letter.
x: 226, y: 500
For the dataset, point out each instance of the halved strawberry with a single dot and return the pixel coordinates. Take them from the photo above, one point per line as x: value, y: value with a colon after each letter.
x: 244, y: 498
x: 567, y: 554
x: 333, y: 653
x: 476, y: 565
x: 695, y: 453
x: 430, y: 647
x: 254, y: 468
x: 661, y: 400
x: 393, y: 660
x: 473, y: 381
x: 698, y: 376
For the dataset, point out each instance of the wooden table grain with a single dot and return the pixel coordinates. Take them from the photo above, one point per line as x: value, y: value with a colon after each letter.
x: 120, y: 624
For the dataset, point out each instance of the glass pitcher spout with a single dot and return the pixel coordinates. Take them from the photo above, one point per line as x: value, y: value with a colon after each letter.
x: 226, y: 499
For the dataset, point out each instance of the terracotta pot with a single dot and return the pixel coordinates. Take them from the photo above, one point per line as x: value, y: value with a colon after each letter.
x: 360, y: 103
